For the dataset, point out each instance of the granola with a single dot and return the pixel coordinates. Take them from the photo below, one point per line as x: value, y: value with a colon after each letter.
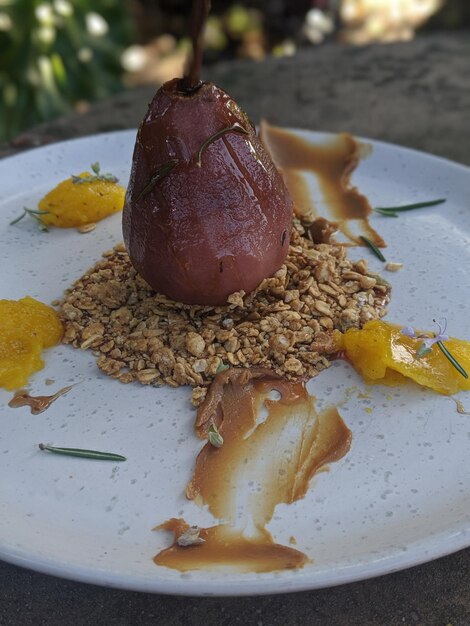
x: 286, y: 324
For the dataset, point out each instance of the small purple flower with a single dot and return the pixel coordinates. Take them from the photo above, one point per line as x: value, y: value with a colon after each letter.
x: 427, y: 342
x: 442, y: 329
x: 408, y: 331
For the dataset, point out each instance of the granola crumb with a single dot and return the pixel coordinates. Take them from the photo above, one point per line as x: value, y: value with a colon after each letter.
x: 286, y: 324
x: 86, y: 228
x: 393, y: 267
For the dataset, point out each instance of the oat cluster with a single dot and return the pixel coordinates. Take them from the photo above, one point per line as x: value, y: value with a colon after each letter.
x: 285, y: 325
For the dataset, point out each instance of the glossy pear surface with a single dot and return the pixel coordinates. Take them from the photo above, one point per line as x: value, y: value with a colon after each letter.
x: 218, y: 218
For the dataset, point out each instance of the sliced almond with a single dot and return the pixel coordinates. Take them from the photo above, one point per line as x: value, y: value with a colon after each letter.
x: 86, y: 228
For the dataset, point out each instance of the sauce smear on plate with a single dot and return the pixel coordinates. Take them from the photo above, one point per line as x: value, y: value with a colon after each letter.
x: 271, y: 449
x: 332, y: 163
x: 37, y: 404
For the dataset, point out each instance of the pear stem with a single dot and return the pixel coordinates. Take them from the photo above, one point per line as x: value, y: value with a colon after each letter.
x: 191, y: 80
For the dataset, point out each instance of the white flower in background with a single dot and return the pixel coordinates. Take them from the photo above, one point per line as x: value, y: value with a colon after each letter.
x: 317, y: 19
x: 46, y: 34
x: 63, y: 8
x: 317, y: 25
x: 45, y: 70
x: 289, y: 48
x: 85, y: 55
x: 5, y: 22
x: 44, y: 14
x: 133, y: 59
x: 96, y: 24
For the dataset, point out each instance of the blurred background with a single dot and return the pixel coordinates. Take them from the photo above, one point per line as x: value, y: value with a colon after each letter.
x: 61, y: 55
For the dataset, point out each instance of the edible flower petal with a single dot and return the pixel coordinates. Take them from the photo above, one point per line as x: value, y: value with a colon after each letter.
x: 427, y: 341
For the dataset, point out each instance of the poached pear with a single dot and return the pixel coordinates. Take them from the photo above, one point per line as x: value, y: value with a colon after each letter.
x: 206, y: 212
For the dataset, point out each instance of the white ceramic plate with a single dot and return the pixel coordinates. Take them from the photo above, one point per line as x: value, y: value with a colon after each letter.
x: 400, y: 497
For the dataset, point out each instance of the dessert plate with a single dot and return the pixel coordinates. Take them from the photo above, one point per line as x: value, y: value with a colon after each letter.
x: 400, y: 497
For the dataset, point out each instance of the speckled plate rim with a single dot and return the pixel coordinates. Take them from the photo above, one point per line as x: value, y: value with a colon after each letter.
x: 419, y: 552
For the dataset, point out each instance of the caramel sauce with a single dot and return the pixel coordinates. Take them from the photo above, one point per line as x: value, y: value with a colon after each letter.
x: 333, y: 164
x: 321, y: 230
x: 227, y: 548
x: 262, y: 463
x: 37, y: 404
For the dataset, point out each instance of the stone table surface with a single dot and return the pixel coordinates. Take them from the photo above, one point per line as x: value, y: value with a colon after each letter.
x: 415, y: 94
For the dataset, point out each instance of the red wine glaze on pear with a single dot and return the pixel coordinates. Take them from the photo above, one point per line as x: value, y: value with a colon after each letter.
x: 206, y: 212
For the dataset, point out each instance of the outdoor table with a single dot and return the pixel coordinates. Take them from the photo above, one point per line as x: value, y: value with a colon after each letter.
x: 416, y: 94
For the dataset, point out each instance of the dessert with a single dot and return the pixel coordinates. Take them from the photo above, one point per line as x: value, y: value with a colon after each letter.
x: 286, y: 323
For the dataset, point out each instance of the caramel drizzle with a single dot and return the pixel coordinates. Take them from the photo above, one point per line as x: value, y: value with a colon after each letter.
x: 223, y: 546
x: 37, y: 404
x: 332, y: 163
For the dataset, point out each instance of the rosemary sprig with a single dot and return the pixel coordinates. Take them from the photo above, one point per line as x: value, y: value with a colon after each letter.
x: 215, y: 438
x: 235, y: 128
x: 84, y: 454
x: 96, y: 169
x: 451, y: 358
x: 386, y: 213
x: 391, y: 211
x: 35, y: 215
x: 159, y: 174
x: 373, y: 247
x: 435, y: 338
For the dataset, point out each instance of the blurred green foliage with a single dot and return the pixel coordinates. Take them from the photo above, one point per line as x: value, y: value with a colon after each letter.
x: 55, y: 54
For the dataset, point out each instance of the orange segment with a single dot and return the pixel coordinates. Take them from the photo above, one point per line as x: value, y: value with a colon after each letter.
x: 26, y: 328
x: 70, y: 204
x: 382, y: 354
